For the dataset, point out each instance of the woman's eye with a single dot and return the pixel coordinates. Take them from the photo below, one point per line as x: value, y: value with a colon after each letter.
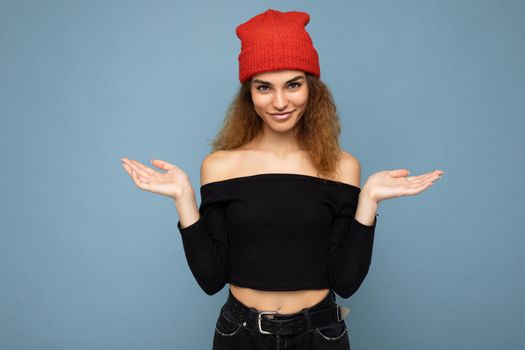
x: 266, y: 87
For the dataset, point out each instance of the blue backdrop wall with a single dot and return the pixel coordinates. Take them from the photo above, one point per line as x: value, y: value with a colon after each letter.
x: 88, y: 261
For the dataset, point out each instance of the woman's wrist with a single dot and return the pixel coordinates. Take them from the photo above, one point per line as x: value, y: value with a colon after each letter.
x: 366, y: 195
x: 187, y: 209
x: 366, y: 208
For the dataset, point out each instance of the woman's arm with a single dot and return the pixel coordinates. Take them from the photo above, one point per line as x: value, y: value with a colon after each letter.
x: 205, y: 243
x: 366, y: 208
x: 187, y: 209
x: 351, y: 243
x: 203, y: 229
x: 354, y: 227
x: 204, y: 232
x: 351, y: 247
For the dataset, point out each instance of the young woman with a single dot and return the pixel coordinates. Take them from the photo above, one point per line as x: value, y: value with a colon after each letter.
x: 283, y: 218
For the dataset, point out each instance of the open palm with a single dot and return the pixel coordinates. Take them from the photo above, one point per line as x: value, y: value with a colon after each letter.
x: 396, y: 183
x: 173, y: 183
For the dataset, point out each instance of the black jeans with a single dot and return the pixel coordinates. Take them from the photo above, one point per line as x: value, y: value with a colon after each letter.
x: 231, y: 335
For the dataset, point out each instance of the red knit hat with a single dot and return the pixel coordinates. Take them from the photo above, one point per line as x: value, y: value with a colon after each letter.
x: 275, y: 40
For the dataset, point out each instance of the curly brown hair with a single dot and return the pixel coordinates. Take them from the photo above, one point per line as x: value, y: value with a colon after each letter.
x: 319, y: 128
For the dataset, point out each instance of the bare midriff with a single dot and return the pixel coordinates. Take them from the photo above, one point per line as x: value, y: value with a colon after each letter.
x: 283, y: 302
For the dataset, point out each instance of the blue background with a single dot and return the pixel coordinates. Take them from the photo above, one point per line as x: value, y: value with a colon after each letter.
x: 89, y: 261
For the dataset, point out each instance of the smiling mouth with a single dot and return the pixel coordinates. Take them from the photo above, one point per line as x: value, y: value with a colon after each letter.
x: 281, y: 116
x: 281, y: 113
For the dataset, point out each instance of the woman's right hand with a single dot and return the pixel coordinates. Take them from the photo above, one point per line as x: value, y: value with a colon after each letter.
x: 174, y: 183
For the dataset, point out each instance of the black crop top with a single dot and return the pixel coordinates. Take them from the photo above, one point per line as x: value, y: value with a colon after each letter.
x: 279, y: 232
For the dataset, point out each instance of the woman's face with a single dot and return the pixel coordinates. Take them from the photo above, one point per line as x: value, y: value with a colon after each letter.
x: 280, y: 97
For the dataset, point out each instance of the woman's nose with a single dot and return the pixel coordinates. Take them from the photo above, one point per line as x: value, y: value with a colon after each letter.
x: 279, y: 100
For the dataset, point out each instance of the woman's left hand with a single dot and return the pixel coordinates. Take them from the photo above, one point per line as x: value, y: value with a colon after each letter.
x: 396, y: 183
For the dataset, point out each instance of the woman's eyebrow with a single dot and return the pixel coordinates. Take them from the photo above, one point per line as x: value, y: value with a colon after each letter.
x: 289, y: 81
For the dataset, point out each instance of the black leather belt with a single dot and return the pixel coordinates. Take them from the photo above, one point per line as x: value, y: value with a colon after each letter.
x: 270, y: 322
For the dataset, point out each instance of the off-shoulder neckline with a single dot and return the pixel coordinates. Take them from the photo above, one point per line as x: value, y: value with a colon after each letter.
x: 278, y: 176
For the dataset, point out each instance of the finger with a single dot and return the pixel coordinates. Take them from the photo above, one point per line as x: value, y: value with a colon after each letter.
x: 424, y: 176
x: 132, y: 173
x: 162, y: 164
x: 129, y: 163
x: 127, y: 168
x: 139, y: 181
x: 434, y: 177
x: 144, y: 168
x: 435, y: 173
x: 412, y: 190
x: 136, y: 168
x: 398, y: 172
x: 427, y: 180
x: 417, y: 180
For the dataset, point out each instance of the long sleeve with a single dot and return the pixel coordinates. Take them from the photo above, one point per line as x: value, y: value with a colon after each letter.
x: 205, y: 245
x: 350, y: 252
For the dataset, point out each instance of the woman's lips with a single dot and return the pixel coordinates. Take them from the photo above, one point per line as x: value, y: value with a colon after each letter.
x: 280, y: 116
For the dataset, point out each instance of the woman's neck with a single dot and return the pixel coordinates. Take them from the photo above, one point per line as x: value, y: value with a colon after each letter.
x: 280, y: 144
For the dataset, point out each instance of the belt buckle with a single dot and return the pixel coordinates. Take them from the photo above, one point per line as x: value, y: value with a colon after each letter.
x: 342, y: 312
x: 259, y: 314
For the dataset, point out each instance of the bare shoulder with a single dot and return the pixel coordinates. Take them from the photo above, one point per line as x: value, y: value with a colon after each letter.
x: 216, y: 166
x: 349, y: 169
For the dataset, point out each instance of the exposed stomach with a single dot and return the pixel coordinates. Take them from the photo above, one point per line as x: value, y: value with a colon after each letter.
x: 284, y: 302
